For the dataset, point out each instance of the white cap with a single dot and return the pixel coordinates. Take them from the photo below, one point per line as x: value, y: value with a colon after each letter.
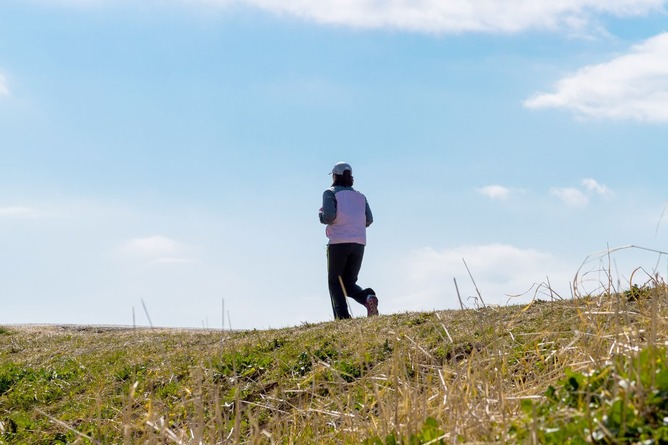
x: 340, y: 167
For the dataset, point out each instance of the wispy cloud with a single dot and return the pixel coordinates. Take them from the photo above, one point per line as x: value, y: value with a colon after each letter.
x: 439, y: 16
x: 593, y: 186
x: 571, y: 196
x: 4, y: 89
x: 484, y: 259
x: 19, y: 212
x: 499, y: 271
x: 152, y: 245
x: 168, y: 260
x: 580, y: 198
x: 157, y: 249
x: 456, y: 16
x: 495, y: 192
x: 76, y: 3
x: 631, y: 86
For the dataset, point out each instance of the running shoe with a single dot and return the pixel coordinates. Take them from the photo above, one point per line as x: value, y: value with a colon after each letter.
x: 371, y: 305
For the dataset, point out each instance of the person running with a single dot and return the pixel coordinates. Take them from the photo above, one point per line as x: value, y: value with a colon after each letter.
x: 346, y: 213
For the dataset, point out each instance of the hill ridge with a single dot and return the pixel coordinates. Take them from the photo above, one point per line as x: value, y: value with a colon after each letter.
x: 456, y: 375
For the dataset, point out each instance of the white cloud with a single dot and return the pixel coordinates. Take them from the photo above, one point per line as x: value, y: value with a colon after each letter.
x: 485, y: 259
x: 593, y: 186
x: 155, y: 245
x: 578, y: 198
x: 4, y: 89
x: 74, y: 3
x: 158, y: 250
x: 433, y: 16
x: 19, y: 212
x: 453, y: 16
x: 495, y: 192
x: 499, y: 271
x: 631, y: 86
x: 570, y: 196
x: 168, y: 260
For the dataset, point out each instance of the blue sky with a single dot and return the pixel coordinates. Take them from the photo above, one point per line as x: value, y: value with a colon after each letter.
x: 172, y: 154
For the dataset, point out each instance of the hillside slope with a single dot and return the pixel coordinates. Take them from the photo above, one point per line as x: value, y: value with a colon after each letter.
x: 512, y: 374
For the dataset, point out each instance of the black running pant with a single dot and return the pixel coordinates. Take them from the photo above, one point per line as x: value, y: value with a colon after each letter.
x: 343, y: 265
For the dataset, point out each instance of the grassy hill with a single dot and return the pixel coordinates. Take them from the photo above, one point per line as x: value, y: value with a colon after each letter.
x: 586, y: 370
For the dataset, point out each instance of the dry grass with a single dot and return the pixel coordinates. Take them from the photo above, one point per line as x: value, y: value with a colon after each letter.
x: 338, y: 382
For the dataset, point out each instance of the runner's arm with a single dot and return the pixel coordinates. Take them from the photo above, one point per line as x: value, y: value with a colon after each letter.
x: 328, y: 211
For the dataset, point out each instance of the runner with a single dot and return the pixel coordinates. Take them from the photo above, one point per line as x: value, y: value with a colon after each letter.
x: 346, y: 213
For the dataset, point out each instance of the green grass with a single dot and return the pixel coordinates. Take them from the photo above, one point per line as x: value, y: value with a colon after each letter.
x: 588, y: 370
